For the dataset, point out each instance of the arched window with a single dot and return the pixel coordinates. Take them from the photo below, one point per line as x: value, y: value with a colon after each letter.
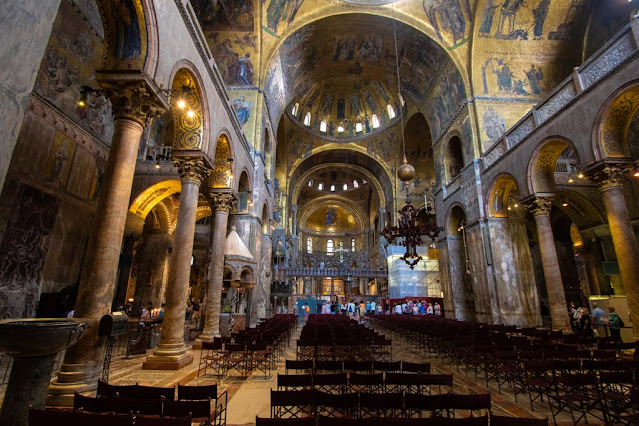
x: 320, y: 186
x: 340, y: 128
x: 352, y: 245
x: 355, y: 184
x: 295, y: 110
x: 307, y: 119
x: 375, y: 121
x: 310, y: 182
x: 309, y: 245
x: 345, y: 187
x: 391, y: 111
x: 358, y: 127
x: 323, y: 126
x: 332, y: 188
x: 330, y: 246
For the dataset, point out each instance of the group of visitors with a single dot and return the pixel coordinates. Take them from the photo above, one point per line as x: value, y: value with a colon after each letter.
x: 417, y: 308
x: 583, y: 322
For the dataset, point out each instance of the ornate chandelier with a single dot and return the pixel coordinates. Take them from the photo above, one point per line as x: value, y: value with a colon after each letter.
x: 408, y: 231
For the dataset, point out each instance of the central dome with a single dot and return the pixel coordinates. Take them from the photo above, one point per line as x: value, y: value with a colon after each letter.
x: 345, y: 108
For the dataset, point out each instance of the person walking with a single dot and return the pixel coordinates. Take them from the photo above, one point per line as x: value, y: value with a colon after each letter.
x: 615, y: 323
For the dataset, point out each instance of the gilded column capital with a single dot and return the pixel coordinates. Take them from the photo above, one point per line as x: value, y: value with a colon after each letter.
x: 611, y: 176
x: 192, y: 170
x: 539, y: 206
x: 223, y: 201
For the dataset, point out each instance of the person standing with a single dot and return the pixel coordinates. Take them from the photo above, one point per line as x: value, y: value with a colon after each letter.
x: 373, y: 307
x: 437, y: 309
x: 598, y: 317
x: 429, y: 309
x: 615, y: 323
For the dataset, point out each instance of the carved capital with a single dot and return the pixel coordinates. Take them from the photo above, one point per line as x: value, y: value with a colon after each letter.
x: 611, y: 176
x: 223, y: 201
x: 540, y: 205
x: 192, y: 170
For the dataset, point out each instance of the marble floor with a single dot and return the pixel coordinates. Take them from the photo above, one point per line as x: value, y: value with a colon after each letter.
x: 251, y: 397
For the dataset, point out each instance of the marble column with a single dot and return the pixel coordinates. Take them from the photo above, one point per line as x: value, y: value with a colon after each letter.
x: 582, y: 270
x: 591, y: 271
x: 171, y: 353
x: 610, y: 181
x: 222, y: 203
x: 540, y: 207
x: 133, y: 105
x: 294, y: 219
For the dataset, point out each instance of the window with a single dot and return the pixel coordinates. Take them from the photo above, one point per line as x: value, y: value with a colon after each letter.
x: 332, y: 188
x: 375, y: 121
x: 340, y: 128
x: 310, y: 182
x: 352, y: 245
x: 364, y: 181
x: 391, y: 111
x: 307, y: 119
x: 330, y: 245
x: 345, y: 187
x: 309, y: 245
x: 355, y: 184
x: 358, y: 127
x: 401, y: 99
x: 320, y: 187
x: 295, y: 109
x: 323, y: 126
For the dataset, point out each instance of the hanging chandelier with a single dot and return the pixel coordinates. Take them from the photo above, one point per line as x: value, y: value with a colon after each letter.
x: 408, y: 232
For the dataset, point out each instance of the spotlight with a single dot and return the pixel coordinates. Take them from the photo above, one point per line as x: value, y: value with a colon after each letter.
x: 571, y: 180
x: 181, y: 104
x: 190, y: 114
x: 157, y: 164
x: 82, y: 102
x: 516, y: 205
x: 580, y: 175
x: 564, y: 203
x: 509, y: 208
x: 636, y: 173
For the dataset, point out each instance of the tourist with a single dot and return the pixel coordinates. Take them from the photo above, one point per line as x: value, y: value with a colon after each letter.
x: 598, y: 314
x: 422, y: 308
x: 415, y: 309
x: 326, y: 308
x: 437, y: 309
x: 429, y: 309
x: 162, y: 309
x: 373, y: 307
x: 351, y: 308
x: 615, y: 323
x: 307, y: 311
x: 585, y: 323
x: 362, y: 307
x: 368, y: 306
x: 405, y: 310
x: 575, y: 317
x: 398, y: 309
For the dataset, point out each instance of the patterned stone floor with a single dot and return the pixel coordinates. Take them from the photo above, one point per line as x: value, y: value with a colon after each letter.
x: 250, y: 397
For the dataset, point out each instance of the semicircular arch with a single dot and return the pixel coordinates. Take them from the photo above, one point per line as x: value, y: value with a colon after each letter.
x: 541, y: 168
x: 144, y: 202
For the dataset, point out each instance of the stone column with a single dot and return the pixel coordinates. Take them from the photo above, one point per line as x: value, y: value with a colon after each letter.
x: 133, y: 104
x: 171, y: 353
x: 222, y: 203
x: 591, y: 271
x: 294, y: 217
x: 540, y: 207
x: 610, y: 181
x: 582, y: 270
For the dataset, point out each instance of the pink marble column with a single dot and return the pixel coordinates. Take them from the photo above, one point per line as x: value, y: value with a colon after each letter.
x: 133, y: 105
x: 222, y: 203
x: 171, y: 353
x: 540, y: 207
x: 610, y: 180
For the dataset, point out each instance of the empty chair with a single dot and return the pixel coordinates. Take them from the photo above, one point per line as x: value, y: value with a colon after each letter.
x: 423, y: 406
x: 380, y: 406
x: 196, y: 392
x: 212, y: 356
x: 199, y: 410
x: 72, y: 418
x: 418, y: 383
x: 106, y: 390
x: 332, y: 405
x: 152, y: 392
x: 292, y: 404
x: 415, y: 367
x: 510, y: 421
x: 329, y: 366
x: 389, y: 366
x: 299, y: 365
x: 330, y: 383
x: 305, y: 421
x: 470, y: 403
x: 161, y: 421
x: 358, y: 366
x: 294, y: 382
x: 371, y: 383
x: 93, y: 405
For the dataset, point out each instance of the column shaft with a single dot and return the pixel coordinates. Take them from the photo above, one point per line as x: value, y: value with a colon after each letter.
x: 83, y: 361
x: 626, y: 247
x: 552, y: 273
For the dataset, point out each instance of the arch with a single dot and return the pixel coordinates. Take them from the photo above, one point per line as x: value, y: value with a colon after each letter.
x: 222, y: 174
x: 268, y: 154
x: 131, y: 35
x: 246, y: 274
x: 453, y: 157
x: 456, y: 214
x: 150, y: 197
x: 189, y: 106
x: 343, y: 202
x: 502, y: 195
x: 266, y: 215
x: 613, y: 121
x: 243, y: 191
x: 541, y: 169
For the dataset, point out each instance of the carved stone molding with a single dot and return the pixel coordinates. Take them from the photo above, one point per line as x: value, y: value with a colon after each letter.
x: 611, y: 176
x: 539, y: 206
x: 134, y: 101
x: 223, y: 201
x: 192, y: 170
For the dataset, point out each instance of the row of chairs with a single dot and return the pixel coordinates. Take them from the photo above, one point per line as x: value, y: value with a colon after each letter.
x: 362, y: 405
x: 379, y: 383
x: 73, y: 418
x: 435, y: 421
x: 357, y: 366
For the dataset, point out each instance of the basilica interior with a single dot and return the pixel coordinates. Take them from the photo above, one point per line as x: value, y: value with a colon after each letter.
x: 189, y: 170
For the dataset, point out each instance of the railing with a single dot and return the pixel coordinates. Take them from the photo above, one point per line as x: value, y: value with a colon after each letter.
x: 611, y: 56
x: 157, y: 153
x: 325, y: 272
